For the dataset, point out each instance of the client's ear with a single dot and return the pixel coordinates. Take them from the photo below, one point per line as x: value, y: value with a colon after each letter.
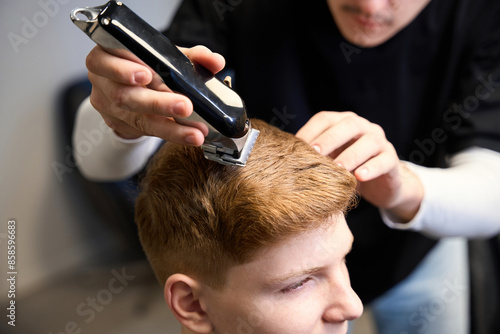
x: 181, y: 295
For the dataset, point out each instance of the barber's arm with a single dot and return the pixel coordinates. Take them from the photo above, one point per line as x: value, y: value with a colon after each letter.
x: 461, y: 200
x: 458, y: 200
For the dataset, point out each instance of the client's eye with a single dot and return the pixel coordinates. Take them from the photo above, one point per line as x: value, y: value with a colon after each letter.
x: 295, y: 286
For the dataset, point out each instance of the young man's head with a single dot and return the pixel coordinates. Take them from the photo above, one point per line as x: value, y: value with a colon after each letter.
x: 254, y: 249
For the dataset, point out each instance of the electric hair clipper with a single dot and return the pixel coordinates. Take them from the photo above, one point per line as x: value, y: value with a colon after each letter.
x: 231, y: 137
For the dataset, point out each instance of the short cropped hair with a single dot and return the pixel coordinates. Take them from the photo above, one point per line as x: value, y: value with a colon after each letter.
x: 199, y: 218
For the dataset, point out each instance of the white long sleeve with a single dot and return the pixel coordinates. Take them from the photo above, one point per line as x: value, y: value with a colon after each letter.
x: 462, y: 200
x: 101, y: 155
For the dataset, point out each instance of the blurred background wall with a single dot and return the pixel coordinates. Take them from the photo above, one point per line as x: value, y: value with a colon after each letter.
x: 41, y: 53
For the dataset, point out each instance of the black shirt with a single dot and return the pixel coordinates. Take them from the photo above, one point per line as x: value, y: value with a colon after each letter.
x: 433, y: 87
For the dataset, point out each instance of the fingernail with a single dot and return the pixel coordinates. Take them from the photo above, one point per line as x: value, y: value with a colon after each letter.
x: 180, y: 108
x: 140, y: 77
x: 317, y: 148
x: 363, y: 172
x: 190, y: 139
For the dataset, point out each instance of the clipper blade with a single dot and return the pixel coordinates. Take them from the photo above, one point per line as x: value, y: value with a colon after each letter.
x: 227, y: 159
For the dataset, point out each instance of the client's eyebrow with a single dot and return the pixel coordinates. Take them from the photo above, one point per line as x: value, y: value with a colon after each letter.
x: 273, y: 282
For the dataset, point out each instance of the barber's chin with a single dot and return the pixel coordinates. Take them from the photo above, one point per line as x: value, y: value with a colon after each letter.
x: 367, y: 39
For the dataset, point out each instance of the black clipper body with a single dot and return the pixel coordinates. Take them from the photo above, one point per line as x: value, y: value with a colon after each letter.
x: 231, y: 137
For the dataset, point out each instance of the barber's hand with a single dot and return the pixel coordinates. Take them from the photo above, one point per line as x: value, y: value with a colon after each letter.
x: 133, y: 100
x: 362, y: 148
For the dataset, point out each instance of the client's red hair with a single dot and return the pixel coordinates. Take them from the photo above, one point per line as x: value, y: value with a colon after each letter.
x: 199, y: 218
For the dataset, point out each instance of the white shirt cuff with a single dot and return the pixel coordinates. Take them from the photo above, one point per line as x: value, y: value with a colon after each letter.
x: 460, y: 200
x: 101, y: 154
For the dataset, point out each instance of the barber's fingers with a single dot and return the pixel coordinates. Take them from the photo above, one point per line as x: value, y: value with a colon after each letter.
x: 129, y: 125
x: 158, y: 126
x: 118, y: 69
x: 330, y: 131
x: 384, y: 163
x: 353, y: 142
x: 363, y: 148
x: 202, y: 55
x: 124, y: 67
x: 134, y: 101
x: 137, y: 99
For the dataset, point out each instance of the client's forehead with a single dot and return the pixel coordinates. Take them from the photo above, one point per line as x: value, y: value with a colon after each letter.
x: 302, y: 253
